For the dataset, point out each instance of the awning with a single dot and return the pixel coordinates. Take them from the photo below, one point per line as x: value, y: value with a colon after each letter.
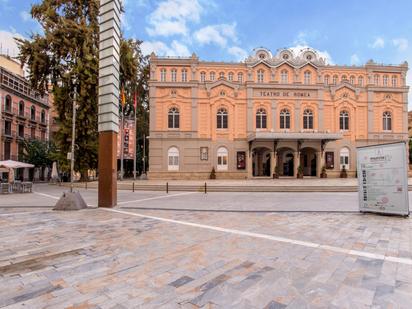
x: 289, y: 136
x: 14, y: 164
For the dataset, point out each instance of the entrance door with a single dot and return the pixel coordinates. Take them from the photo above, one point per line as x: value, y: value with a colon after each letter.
x: 288, y: 165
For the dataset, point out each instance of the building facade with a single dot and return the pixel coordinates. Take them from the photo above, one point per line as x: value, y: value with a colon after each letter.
x: 284, y: 113
x: 24, y: 113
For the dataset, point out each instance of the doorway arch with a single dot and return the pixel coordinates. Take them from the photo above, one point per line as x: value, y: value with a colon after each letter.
x: 308, y: 161
x: 285, y: 159
x: 261, y: 164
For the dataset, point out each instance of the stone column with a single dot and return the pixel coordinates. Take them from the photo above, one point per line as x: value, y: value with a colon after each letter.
x: 272, y: 162
x: 319, y: 163
x: 249, y: 164
x: 296, y: 163
x: 108, y: 118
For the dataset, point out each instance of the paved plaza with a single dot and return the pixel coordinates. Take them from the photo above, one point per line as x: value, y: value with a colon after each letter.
x: 196, y: 250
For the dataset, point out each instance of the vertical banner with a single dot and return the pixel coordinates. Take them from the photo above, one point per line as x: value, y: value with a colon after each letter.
x: 383, y: 179
x: 129, y: 140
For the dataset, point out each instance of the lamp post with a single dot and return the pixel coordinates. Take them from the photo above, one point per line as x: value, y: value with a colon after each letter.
x: 73, y: 141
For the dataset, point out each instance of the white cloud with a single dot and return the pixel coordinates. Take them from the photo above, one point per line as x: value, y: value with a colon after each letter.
x: 354, y: 59
x: 216, y: 34
x: 239, y: 53
x: 378, y: 43
x: 8, y: 44
x: 401, y: 44
x: 322, y: 54
x: 161, y: 49
x: 171, y: 17
x: 25, y: 16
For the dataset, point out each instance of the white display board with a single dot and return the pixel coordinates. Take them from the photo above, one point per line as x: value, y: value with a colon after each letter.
x: 383, y: 179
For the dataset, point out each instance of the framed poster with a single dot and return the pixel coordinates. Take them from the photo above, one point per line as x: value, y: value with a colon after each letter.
x: 330, y: 159
x: 204, y: 153
x: 383, y: 179
x: 241, y: 160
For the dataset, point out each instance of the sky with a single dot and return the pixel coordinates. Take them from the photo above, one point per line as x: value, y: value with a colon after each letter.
x: 347, y: 32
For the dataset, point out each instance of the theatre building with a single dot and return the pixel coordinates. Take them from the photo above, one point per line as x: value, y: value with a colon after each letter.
x: 280, y: 113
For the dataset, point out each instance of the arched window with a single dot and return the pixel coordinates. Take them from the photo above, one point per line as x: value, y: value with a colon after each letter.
x: 376, y: 79
x: 307, y: 78
x: 284, y: 119
x: 344, y: 158
x: 387, y: 121
x: 284, y: 76
x: 173, y: 159
x: 174, y: 75
x: 202, y: 77
x: 335, y: 79
x: 21, y: 108
x: 326, y: 80
x: 352, y: 79
x: 360, y: 81
x: 173, y: 118
x: 344, y: 78
x: 261, y: 119
x: 308, y: 119
x: 240, y: 77
x: 344, y: 120
x: 43, y: 116
x: 230, y: 76
x: 222, y: 75
x: 260, y: 75
x: 394, y: 81
x: 385, y: 80
x: 212, y: 76
x: 222, y: 159
x: 33, y: 113
x: 163, y: 75
x: 222, y: 118
x: 184, y: 75
x: 8, y: 106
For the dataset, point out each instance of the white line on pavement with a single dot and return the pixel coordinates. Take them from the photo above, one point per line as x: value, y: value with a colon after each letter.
x: 20, y: 213
x: 46, y: 195
x: 155, y: 198
x: 274, y: 238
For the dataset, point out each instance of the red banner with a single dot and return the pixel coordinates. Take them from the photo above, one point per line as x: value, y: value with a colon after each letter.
x: 129, y: 140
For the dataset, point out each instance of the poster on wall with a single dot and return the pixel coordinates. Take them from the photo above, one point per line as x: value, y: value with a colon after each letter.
x: 128, y: 140
x: 330, y: 158
x: 241, y: 160
x: 383, y: 179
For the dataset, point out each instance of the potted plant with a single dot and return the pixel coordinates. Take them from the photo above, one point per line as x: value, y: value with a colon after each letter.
x: 300, y: 171
x: 323, y: 173
x: 343, y: 172
x: 276, y: 173
x: 212, y: 174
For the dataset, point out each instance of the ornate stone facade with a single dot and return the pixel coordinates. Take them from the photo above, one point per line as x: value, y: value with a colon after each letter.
x: 281, y: 114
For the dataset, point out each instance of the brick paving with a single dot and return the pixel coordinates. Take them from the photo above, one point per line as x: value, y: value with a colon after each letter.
x: 98, y: 258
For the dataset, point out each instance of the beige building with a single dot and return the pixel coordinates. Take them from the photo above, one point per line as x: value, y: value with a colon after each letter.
x: 280, y: 113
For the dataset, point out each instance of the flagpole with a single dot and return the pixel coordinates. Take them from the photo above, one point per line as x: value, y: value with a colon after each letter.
x: 135, y: 137
x: 121, y: 143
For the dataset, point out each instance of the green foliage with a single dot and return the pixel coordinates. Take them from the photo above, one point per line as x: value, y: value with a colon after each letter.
x: 38, y: 153
x: 65, y: 58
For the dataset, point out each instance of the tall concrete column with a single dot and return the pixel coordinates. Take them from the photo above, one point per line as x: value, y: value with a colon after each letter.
x: 108, y: 118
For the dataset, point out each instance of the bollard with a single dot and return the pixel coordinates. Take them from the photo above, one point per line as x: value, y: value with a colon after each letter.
x: 205, y: 188
x: 133, y: 186
x: 167, y: 187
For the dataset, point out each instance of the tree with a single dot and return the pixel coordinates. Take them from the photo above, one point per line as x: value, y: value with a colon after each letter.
x: 38, y: 153
x: 65, y: 57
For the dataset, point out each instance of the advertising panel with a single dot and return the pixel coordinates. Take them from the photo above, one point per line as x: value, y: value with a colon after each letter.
x: 383, y: 179
x: 129, y: 140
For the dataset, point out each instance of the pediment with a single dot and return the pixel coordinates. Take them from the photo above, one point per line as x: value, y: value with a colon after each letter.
x: 222, y: 82
x: 344, y: 86
x: 264, y: 62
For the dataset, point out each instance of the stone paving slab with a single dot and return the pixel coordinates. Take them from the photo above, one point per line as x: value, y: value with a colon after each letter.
x: 101, y: 259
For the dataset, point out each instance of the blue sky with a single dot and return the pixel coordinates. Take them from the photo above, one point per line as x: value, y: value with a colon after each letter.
x: 347, y: 32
